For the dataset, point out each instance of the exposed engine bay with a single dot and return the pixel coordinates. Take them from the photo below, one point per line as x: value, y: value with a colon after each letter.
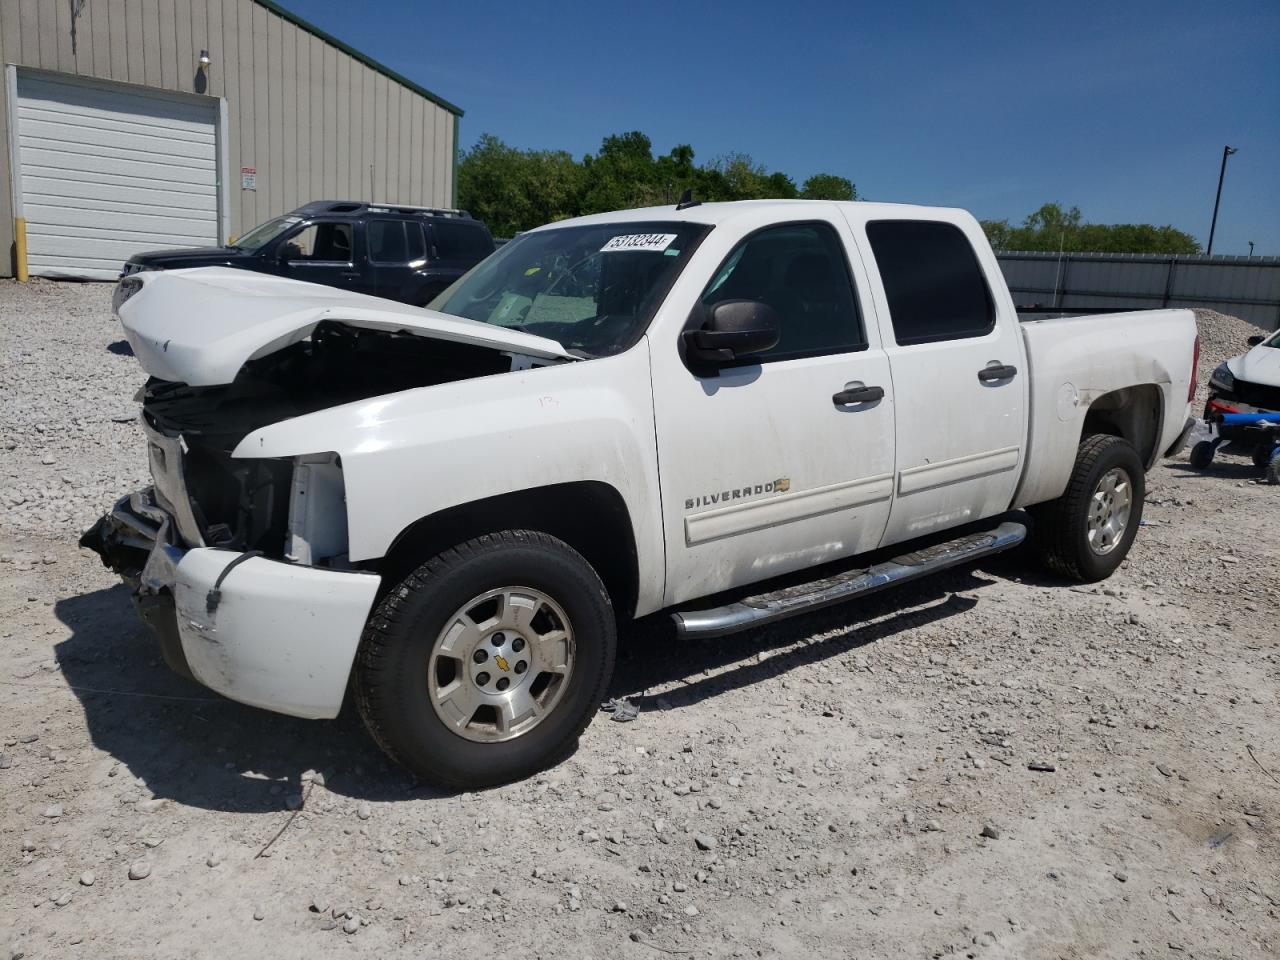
x: 246, y: 504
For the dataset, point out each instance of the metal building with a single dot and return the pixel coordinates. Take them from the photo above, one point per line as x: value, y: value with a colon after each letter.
x: 134, y: 125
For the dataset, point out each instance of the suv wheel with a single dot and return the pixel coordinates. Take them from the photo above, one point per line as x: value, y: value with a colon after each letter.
x: 486, y: 663
x: 1086, y: 533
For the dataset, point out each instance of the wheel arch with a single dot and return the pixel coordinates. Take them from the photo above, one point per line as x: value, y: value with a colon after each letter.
x: 1134, y: 413
x: 588, y: 515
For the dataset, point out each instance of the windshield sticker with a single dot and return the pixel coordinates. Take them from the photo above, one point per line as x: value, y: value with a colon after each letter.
x: 655, y: 242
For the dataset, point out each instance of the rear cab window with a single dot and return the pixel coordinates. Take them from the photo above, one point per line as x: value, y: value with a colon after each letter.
x: 459, y: 240
x: 932, y: 279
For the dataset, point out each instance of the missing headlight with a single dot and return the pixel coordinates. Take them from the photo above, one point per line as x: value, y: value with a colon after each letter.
x: 125, y: 289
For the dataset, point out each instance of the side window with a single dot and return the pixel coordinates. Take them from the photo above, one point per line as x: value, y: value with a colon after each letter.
x: 461, y: 241
x: 320, y: 243
x: 932, y: 279
x: 395, y: 241
x: 800, y: 270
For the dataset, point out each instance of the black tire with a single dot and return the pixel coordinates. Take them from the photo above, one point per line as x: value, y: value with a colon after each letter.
x: 1262, y: 456
x: 1062, y: 525
x: 391, y: 672
x: 1202, y: 454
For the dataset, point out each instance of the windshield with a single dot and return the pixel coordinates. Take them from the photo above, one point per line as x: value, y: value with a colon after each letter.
x: 264, y: 233
x: 593, y: 288
x: 1272, y: 341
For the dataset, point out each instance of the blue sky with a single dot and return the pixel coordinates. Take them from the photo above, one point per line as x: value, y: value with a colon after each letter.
x: 1120, y: 108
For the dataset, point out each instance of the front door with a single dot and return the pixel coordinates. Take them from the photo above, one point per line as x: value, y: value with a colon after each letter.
x: 777, y: 462
x: 959, y: 381
x: 324, y: 251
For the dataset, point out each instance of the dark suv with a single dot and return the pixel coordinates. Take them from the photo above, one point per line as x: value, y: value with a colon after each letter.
x: 402, y: 253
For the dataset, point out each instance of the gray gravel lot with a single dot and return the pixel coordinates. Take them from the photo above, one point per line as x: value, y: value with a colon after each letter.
x: 864, y: 782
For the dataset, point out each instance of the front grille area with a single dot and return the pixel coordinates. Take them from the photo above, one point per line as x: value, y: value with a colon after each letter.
x: 216, y: 500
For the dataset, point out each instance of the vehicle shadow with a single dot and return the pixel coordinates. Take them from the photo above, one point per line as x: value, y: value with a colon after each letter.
x: 192, y: 746
x: 653, y: 655
x: 1218, y: 470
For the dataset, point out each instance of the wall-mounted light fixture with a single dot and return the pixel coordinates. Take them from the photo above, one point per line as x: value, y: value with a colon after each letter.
x: 204, y: 61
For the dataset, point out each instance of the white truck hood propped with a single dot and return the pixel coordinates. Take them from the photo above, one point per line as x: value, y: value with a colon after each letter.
x: 201, y: 326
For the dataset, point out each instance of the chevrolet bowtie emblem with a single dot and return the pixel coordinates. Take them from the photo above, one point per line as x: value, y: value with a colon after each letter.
x: 501, y: 661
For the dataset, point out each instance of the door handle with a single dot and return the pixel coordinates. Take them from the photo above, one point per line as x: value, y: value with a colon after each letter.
x: 857, y: 392
x: 999, y: 371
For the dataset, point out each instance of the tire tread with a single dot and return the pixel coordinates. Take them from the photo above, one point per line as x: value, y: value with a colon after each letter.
x: 1054, y: 536
x: 370, y: 693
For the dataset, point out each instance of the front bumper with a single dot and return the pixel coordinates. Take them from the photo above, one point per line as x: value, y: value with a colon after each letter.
x: 275, y: 635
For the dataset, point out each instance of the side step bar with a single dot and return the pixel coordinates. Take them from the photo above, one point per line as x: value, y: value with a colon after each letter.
x: 765, y: 608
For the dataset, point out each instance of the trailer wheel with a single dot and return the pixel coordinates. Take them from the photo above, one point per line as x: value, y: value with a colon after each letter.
x: 486, y: 663
x: 1086, y: 533
x: 1202, y: 454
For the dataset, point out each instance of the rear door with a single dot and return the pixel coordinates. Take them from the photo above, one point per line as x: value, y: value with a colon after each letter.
x: 397, y: 252
x: 959, y: 379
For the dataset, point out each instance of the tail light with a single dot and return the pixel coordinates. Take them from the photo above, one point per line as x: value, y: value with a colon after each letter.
x: 1195, y: 370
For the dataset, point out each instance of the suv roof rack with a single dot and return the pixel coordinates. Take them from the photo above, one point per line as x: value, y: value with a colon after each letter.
x: 429, y: 211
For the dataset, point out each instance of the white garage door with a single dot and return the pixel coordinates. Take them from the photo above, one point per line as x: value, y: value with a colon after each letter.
x: 109, y: 171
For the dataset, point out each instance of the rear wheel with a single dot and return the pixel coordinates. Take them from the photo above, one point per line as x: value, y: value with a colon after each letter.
x: 486, y: 663
x: 1086, y: 533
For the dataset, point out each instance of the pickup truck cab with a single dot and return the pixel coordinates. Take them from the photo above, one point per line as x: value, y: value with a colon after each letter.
x: 401, y: 253
x: 450, y: 510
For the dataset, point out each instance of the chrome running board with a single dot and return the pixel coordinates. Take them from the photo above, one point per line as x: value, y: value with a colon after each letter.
x: 765, y: 608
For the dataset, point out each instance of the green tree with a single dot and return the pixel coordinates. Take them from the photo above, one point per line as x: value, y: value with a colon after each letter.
x: 514, y: 190
x: 827, y: 186
x: 1053, y: 228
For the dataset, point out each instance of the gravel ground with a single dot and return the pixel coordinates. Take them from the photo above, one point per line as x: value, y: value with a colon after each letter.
x: 866, y: 782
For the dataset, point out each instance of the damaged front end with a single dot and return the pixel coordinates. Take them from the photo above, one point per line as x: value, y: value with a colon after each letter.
x: 240, y: 564
x: 136, y: 541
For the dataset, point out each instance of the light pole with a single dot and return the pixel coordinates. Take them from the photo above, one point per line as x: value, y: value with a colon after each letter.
x: 1226, y: 152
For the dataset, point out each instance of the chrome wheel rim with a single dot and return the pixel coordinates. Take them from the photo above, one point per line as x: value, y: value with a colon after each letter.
x: 1109, y: 510
x: 501, y: 664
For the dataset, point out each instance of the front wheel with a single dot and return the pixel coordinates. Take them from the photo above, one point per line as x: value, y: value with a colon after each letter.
x: 485, y: 664
x: 1086, y: 533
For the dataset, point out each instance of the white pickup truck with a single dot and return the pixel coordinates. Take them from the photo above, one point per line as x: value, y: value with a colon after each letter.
x: 448, y: 510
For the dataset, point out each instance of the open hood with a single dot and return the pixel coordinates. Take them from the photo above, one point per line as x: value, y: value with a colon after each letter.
x: 200, y: 326
x: 1260, y: 365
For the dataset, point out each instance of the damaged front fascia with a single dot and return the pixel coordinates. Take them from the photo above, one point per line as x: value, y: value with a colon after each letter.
x: 136, y: 541
x: 256, y: 504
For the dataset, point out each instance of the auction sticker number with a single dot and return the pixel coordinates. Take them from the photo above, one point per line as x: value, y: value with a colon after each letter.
x: 655, y: 242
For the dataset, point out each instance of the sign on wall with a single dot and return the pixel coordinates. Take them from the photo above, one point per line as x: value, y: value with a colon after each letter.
x: 248, y: 178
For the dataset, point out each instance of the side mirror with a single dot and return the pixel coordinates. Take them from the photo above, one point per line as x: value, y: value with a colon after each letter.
x: 1255, y: 340
x: 733, y: 329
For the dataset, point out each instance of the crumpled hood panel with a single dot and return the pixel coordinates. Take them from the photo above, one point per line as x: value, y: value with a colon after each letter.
x: 200, y: 326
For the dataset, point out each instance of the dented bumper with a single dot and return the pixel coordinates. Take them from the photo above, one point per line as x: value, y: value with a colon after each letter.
x: 275, y: 635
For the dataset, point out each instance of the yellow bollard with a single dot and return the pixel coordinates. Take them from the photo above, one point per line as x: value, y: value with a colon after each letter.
x: 20, y: 248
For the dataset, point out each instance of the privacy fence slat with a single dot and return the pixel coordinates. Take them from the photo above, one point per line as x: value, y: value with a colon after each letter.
x: 1247, y: 287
